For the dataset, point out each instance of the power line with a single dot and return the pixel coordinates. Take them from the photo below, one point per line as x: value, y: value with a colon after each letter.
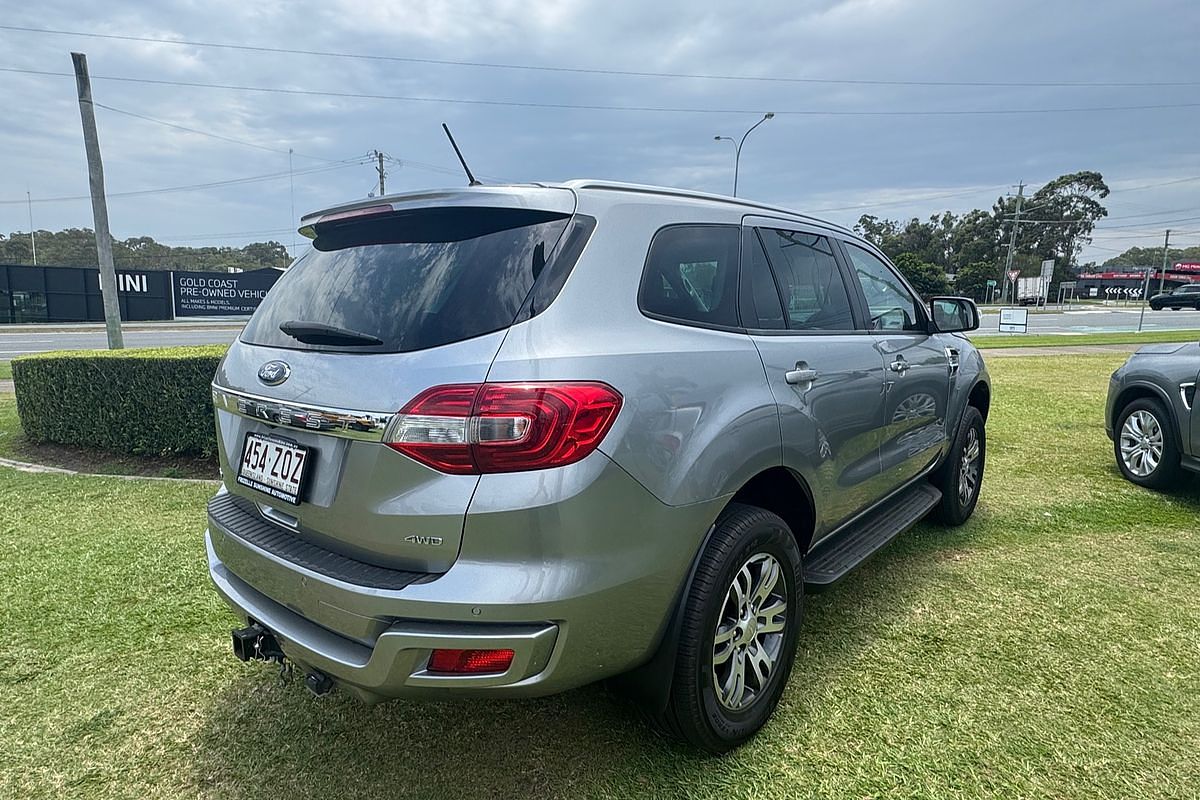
x: 198, y: 186
x: 596, y: 70
x: 804, y: 112
x: 1156, y: 185
x: 1069, y: 221
x: 1156, y: 223
x: 405, y: 162
x: 869, y: 206
x: 230, y: 139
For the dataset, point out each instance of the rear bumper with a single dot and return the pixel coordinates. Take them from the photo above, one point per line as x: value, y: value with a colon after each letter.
x: 396, y: 664
x: 580, y: 588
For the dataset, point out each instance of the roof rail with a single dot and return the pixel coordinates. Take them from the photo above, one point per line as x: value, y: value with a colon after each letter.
x: 618, y: 186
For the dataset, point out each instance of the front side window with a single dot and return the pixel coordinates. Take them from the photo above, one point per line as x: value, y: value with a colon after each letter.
x: 691, y: 274
x: 814, y: 295
x: 891, y: 306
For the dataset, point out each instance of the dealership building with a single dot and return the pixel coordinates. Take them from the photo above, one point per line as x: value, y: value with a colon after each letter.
x: 1118, y: 282
x: 72, y: 294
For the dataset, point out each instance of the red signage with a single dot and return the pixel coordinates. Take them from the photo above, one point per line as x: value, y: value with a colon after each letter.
x: 1187, y: 266
x: 1125, y: 276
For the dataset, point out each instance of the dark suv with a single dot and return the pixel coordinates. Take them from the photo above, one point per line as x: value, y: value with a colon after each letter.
x: 504, y: 441
x: 1185, y: 296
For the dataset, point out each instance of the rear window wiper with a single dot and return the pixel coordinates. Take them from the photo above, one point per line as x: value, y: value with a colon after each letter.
x: 317, y: 333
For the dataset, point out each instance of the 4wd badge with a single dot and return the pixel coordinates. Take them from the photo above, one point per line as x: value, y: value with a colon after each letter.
x: 435, y: 541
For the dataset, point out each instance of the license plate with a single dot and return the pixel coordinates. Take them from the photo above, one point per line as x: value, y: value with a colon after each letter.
x: 275, y: 466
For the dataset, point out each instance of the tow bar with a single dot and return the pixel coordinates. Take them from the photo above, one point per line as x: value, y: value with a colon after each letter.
x: 256, y: 643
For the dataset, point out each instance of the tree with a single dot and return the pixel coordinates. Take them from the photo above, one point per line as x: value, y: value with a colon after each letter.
x: 76, y: 247
x: 1062, y: 215
x: 975, y: 240
x: 1153, y: 257
x: 928, y: 279
x: 971, y: 279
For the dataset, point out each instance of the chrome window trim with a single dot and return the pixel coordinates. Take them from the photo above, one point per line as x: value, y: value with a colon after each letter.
x: 366, y: 426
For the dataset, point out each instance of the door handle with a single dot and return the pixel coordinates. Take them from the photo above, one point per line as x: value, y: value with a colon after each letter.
x: 899, y: 365
x: 801, y: 374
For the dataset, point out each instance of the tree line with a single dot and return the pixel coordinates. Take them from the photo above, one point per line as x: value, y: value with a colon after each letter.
x: 1056, y: 222
x: 76, y: 247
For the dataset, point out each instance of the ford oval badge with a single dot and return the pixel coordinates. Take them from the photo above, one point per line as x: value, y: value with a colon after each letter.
x: 274, y: 373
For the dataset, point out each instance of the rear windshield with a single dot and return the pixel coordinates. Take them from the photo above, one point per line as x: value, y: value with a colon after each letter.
x: 412, y: 280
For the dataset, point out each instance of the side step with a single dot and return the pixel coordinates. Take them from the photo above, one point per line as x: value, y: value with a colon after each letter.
x: 834, y: 558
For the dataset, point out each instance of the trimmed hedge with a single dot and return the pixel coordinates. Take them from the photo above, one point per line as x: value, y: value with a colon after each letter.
x: 151, y: 401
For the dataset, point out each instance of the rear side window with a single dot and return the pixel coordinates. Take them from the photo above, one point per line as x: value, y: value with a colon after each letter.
x: 411, y: 280
x: 814, y: 294
x: 691, y: 274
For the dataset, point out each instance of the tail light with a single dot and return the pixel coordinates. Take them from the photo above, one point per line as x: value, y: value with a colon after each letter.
x: 470, y: 429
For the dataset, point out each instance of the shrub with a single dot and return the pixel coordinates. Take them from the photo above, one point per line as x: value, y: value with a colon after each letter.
x: 153, y: 401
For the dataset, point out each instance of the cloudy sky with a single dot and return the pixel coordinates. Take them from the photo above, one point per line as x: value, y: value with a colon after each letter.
x: 1115, y: 86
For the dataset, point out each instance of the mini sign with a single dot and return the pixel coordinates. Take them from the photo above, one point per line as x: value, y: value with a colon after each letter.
x: 1014, y: 320
x: 1013, y: 274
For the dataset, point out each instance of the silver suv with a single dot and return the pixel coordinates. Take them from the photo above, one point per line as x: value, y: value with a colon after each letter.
x: 506, y: 441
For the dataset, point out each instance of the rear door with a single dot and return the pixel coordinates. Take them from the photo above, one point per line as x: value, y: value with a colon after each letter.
x: 388, y: 304
x: 820, y: 363
x: 917, y: 366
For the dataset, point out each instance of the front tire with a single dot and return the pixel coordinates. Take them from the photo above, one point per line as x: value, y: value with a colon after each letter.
x: 741, y: 619
x: 1144, y: 445
x: 961, y: 476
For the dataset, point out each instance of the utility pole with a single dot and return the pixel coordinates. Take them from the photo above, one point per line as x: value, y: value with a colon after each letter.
x: 32, y: 238
x: 292, y: 195
x: 1012, y: 241
x: 1161, y: 279
x: 382, y: 174
x: 91, y: 142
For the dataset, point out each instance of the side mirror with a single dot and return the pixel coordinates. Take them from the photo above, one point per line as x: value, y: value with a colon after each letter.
x: 953, y: 315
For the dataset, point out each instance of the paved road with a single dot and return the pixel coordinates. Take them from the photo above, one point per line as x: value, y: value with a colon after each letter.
x: 14, y: 343
x: 1098, y: 320
x: 32, y: 339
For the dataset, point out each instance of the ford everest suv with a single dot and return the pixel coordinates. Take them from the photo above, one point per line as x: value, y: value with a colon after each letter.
x: 506, y: 441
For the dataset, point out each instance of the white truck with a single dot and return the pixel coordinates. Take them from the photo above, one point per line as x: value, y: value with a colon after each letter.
x: 1031, y: 291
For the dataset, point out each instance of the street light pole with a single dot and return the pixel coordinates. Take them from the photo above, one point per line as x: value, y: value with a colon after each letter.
x: 737, y: 153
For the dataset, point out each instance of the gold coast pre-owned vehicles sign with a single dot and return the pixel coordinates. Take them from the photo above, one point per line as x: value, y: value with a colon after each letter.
x: 217, y: 294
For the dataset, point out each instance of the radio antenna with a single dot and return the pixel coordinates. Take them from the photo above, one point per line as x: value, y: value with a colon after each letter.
x: 461, y: 160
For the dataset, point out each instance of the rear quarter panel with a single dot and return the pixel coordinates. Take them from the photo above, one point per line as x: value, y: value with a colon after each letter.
x: 698, y: 419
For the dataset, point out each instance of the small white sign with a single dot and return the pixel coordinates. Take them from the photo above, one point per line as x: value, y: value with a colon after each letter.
x: 1014, y: 320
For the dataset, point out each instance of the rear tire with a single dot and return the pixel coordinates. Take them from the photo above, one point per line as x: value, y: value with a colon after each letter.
x: 1145, y: 446
x: 737, y: 642
x: 961, y: 476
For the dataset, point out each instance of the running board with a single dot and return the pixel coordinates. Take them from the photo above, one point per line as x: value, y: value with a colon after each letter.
x: 834, y: 558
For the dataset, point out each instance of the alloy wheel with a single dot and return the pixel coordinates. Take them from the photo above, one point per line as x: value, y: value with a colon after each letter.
x: 1141, y: 443
x: 750, y: 632
x: 968, y: 468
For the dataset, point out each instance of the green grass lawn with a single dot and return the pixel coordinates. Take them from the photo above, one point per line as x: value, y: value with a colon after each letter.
x: 5, y: 370
x: 1046, y: 649
x: 16, y: 446
x: 1077, y: 340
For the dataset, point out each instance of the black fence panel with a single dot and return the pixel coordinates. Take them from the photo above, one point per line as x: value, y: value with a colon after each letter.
x: 72, y: 294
